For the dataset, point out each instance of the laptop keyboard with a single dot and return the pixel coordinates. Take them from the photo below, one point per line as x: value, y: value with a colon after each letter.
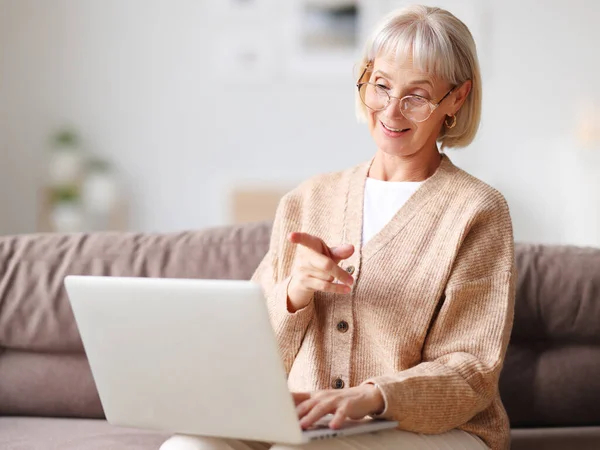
x: 321, y: 424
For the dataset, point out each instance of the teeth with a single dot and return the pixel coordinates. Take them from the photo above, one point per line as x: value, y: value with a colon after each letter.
x: 392, y: 129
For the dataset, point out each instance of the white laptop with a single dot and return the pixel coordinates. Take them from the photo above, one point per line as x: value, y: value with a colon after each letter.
x: 196, y: 357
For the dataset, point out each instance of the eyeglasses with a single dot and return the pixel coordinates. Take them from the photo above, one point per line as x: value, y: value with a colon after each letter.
x: 413, y: 107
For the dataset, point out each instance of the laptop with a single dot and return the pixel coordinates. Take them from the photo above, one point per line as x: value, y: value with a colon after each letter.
x: 194, y: 357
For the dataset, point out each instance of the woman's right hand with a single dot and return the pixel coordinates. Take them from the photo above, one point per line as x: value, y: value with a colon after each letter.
x: 315, y: 269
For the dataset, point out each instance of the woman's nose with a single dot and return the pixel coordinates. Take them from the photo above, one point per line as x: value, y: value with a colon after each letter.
x: 392, y: 111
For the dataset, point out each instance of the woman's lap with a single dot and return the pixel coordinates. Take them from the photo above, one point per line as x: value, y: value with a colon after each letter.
x: 380, y: 440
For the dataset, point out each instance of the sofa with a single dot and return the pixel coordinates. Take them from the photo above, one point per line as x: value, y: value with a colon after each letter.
x: 550, y: 383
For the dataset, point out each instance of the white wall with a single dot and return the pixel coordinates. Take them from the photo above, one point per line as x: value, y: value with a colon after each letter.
x: 137, y: 79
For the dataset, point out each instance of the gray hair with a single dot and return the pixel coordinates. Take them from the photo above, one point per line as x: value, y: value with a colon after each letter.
x: 440, y: 44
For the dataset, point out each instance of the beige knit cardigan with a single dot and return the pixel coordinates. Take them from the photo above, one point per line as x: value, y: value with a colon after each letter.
x: 431, y: 310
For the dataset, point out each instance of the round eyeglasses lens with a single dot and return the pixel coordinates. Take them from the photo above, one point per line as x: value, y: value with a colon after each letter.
x: 374, y: 97
x: 415, y: 108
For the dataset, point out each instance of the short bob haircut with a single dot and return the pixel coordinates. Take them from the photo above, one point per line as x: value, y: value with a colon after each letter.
x: 441, y: 45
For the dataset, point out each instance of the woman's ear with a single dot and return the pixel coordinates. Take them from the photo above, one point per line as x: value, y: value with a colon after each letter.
x: 461, y: 94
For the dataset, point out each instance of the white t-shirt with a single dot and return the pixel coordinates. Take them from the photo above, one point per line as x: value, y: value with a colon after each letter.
x: 382, y: 201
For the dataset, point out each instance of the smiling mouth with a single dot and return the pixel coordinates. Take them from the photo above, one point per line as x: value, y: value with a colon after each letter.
x: 394, y: 130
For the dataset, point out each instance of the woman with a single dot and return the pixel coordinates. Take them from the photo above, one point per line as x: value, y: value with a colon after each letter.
x: 390, y: 285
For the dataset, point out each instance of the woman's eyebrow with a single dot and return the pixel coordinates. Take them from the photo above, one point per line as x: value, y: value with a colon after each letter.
x: 422, y: 82
x: 381, y: 72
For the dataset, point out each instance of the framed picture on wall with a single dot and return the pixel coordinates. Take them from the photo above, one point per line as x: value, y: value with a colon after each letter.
x: 323, y: 37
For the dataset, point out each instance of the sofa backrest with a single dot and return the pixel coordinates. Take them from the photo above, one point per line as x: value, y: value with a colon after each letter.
x: 551, y: 376
x: 43, y: 370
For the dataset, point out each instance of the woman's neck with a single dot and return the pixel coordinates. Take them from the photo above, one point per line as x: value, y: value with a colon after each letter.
x: 417, y: 167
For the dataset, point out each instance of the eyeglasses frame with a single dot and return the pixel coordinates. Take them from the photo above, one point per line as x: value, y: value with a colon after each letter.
x: 432, y: 106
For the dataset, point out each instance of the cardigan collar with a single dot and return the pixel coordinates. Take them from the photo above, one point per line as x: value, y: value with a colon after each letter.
x: 353, y: 214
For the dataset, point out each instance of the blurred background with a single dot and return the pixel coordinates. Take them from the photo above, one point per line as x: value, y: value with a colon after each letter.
x: 167, y: 115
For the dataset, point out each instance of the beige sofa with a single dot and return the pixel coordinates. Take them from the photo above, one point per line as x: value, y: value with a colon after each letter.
x: 550, y: 384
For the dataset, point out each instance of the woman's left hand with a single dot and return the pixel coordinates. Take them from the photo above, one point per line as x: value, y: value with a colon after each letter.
x: 353, y: 403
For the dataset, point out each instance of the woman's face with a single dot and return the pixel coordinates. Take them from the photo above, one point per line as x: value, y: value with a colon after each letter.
x: 400, y: 80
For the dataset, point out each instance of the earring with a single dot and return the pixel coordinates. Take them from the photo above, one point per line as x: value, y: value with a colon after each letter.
x: 453, y: 124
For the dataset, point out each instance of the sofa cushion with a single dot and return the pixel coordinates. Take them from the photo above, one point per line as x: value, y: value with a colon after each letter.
x: 579, y: 438
x: 73, y: 434
x: 35, y: 314
x: 46, y: 384
x: 80, y: 434
x: 551, y: 375
x: 558, y: 294
x: 43, y: 370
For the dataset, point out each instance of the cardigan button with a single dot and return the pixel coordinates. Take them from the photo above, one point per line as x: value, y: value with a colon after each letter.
x: 342, y: 326
x: 338, y: 383
x: 350, y: 269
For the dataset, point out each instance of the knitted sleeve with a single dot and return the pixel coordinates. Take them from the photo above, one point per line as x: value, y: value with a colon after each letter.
x: 466, y: 344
